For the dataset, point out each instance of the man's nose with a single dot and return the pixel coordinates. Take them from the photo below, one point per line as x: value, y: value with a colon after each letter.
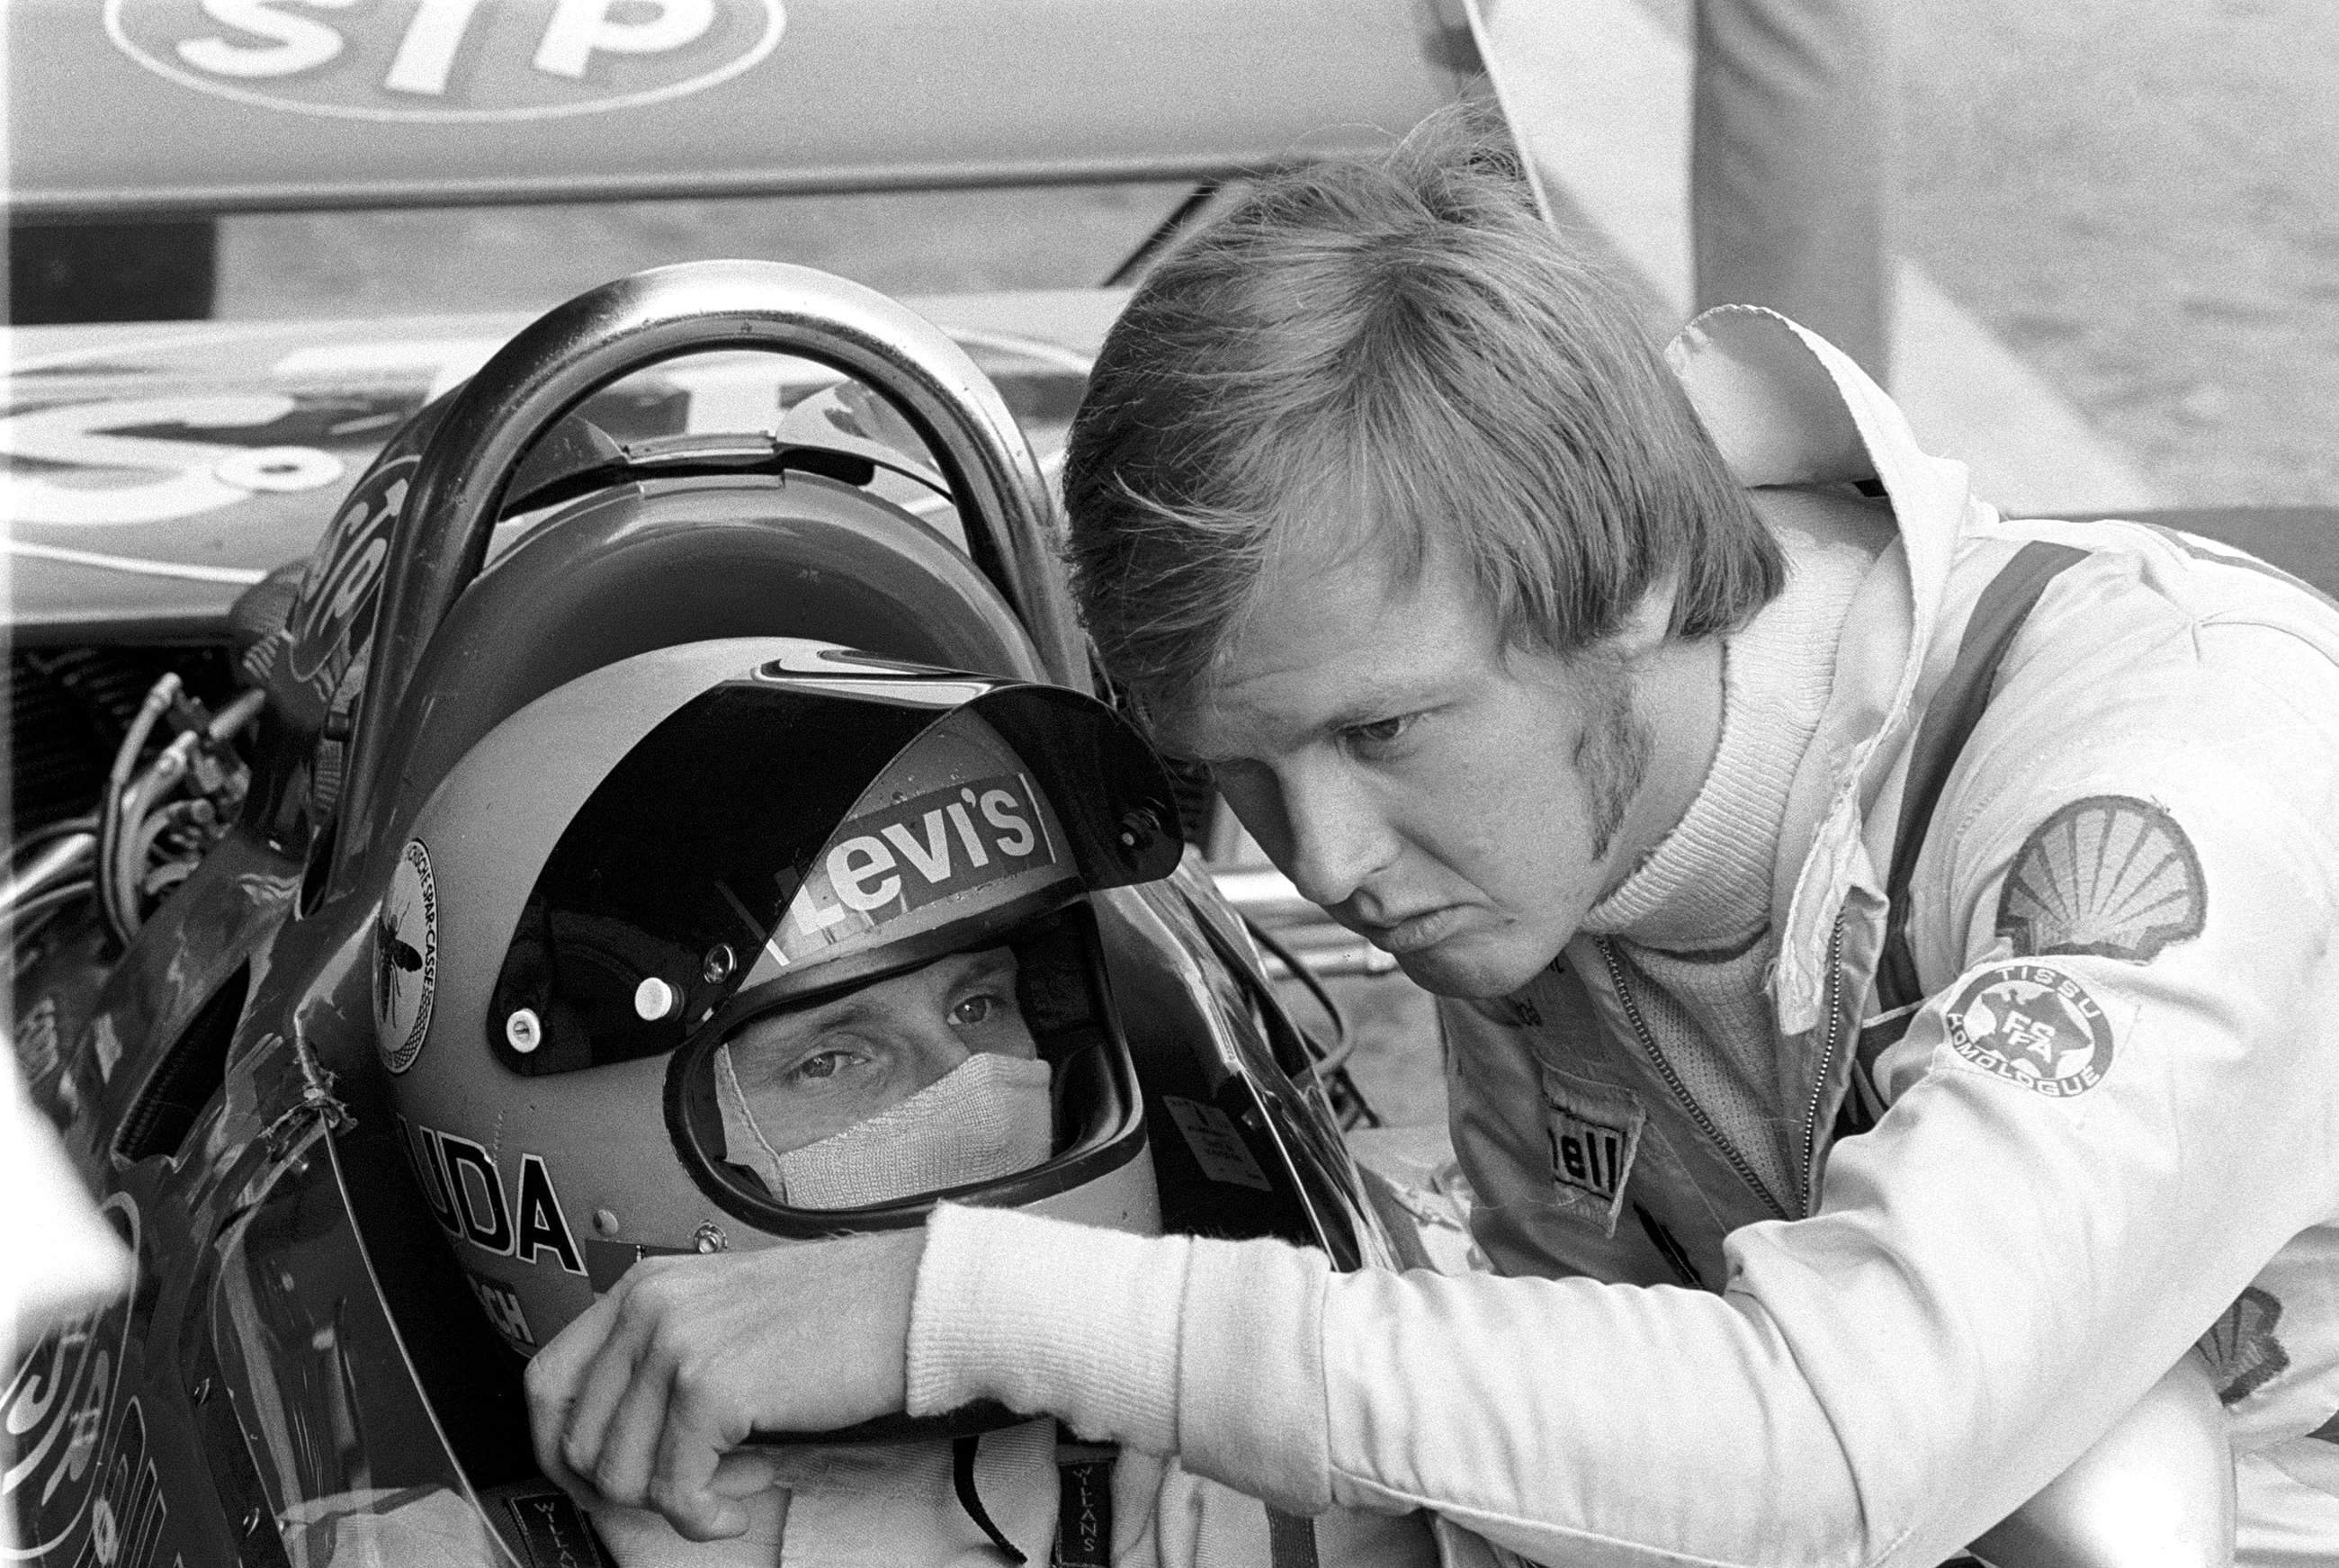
x: 938, y: 1050
x: 1323, y: 829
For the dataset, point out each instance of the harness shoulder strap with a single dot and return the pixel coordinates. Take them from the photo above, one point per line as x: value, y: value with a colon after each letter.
x: 1290, y: 1539
x: 1084, y: 1505
x: 1998, y: 615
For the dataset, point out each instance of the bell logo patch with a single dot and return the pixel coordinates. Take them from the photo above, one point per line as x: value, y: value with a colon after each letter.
x: 1594, y: 1132
x: 406, y: 959
x: 2035, y: 1025
x: 1588, y: 1155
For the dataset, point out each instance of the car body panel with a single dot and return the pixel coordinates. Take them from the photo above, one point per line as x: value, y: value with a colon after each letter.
x: 154, y: 472
x: 131, y: 106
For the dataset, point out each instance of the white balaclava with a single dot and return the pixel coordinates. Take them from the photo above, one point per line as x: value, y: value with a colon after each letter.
x: 989, y: 1116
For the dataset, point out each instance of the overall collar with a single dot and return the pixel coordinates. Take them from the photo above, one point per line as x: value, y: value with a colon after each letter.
x: 1788, y: 408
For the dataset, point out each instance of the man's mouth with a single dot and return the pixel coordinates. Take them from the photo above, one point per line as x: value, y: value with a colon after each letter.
x: 1414, y: 931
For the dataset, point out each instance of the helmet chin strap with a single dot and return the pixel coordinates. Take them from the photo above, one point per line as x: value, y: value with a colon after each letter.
x: 963, y: 1483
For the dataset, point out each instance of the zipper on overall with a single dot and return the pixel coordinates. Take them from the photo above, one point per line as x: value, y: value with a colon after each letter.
x: 1833, y: 1037
x: 1737, y: 1162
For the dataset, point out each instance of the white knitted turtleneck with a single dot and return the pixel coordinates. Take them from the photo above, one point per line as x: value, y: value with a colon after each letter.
x: 1708, y: 885
x: 1690, y: 930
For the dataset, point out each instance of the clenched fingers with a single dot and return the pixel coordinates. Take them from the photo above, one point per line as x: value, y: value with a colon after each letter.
x: 643, y: 1400
x: 554, y: 1376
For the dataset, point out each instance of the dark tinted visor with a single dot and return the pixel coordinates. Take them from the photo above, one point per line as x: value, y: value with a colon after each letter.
x: 740, y: 844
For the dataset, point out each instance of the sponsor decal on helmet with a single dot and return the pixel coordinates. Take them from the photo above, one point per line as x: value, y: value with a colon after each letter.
x: 501, y: 1302
x: 473, y: 1182
x: 2034, y: 1025
x: 465, y: 1186
x: 2109, y: 875
x: 447, y: 62
x: 406, y: 958
x: 916, y: 852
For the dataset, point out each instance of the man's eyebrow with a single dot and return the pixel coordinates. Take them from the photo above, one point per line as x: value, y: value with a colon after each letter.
x: 1390, y: 699
x: 1372, y: 709
x: 990, y: 966
x: 849, y: 1013
x: 1393, y: 701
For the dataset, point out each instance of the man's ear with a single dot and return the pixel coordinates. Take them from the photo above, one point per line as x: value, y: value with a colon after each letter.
x: 1647, y: 625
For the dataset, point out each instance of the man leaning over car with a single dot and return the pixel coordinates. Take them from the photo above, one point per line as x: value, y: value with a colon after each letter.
x: 1883, y: 948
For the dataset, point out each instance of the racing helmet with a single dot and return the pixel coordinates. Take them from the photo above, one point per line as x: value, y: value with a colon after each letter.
x: 646, y: 958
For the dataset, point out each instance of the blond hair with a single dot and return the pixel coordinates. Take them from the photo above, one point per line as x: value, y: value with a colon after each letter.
x: 1396, y: 355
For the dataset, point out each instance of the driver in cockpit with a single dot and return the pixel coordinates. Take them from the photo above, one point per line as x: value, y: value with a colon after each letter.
x: 728, y: 959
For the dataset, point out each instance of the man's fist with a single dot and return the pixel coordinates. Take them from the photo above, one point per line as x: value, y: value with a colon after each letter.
x: 642, y: 1400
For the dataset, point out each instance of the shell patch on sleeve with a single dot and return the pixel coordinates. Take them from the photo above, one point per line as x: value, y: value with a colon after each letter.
x: 2109, y: 875
x: 2034, y: 1025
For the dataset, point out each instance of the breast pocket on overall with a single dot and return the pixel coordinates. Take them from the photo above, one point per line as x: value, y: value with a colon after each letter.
x: 1593, y: 1131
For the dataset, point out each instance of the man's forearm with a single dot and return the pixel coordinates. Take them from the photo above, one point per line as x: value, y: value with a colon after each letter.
x: 1211, y: 1350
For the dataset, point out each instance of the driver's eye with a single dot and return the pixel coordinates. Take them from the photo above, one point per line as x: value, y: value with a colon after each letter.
x: 814, y: 1067
x: 980, y: 1008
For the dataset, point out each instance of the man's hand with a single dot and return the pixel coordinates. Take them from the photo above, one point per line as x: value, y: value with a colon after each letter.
x: 641, y: 1400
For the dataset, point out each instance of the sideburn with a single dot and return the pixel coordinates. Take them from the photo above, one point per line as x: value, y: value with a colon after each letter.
x: 1613, y: 753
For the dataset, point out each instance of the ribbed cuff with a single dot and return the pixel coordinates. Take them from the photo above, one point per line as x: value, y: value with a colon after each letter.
x: 1211, y: 1350
x: 1048, y: 1317
x: 1251, y: 1405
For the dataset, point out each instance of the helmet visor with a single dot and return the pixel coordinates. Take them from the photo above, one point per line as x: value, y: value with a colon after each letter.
x: 769, y: 841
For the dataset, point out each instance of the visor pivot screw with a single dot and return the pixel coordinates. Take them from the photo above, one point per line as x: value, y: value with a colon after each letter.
x: 605, y: 1222
x: 717, y: 966
x: 1138, y: 828
x: 710, y: 1237
x: 523, y: 1031
x: 654, y: 999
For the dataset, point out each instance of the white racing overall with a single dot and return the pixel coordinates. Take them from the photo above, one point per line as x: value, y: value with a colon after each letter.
x: 2107, y: 1131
